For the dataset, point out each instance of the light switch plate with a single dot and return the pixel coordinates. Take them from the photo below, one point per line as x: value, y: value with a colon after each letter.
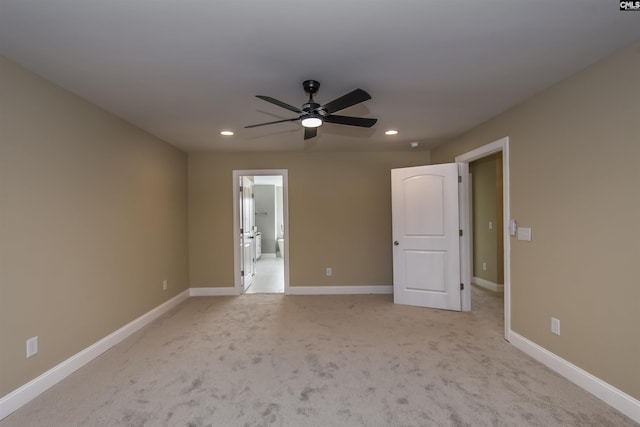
x: 524, y: 233
x: 32, y: 347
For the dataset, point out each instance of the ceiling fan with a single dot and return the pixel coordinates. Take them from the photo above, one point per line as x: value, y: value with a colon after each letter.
x: 312, y: 115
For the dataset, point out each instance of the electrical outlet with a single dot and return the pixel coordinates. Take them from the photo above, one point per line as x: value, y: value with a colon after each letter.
x: 555, y: 326
x: 329, y: 271
x: 484, y: 266
x: 490, y: 225
x: 164, y: 285
x: 32, y: 347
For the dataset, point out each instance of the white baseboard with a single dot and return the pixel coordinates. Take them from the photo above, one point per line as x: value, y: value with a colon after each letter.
x: 594, y: 385
x: 339, y: 290
x: 35, y: 387
x: 213, y: 292
x: 298, y: 290
x: 487, y: 284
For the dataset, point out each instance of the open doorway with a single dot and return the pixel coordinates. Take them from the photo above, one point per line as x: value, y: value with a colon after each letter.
x: 487, y: 253
x: 261, y: 231
x: 497, y: 148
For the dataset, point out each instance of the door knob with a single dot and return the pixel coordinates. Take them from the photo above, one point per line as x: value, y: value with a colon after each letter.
x: 396, y: 243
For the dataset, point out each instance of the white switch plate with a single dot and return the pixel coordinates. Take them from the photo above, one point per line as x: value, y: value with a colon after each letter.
x: 484, y: 266
x: 32, y: 347
x: 555, y: 326
x: 164, y: 285
x: 329, y: 271
x: 524, y: 233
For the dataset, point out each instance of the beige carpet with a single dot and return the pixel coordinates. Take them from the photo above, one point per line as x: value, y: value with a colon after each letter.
x: 259, y: 360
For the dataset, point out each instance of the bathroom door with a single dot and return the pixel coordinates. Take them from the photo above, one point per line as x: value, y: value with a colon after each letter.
x: 247, y: 235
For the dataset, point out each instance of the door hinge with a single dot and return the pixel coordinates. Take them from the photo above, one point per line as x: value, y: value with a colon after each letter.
x: 459, y: 178
x: 460, y: 233
x: 462, y: 286
x: 241, y: 273
x: 241, y: 189
x: 241, y: 231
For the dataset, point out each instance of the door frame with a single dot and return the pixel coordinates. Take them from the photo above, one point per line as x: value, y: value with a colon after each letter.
x: 237, y: 173
x: 500, y: 145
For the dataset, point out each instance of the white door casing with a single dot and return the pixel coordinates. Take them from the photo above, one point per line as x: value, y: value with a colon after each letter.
x: 500, y: 145
x: 426, y: 251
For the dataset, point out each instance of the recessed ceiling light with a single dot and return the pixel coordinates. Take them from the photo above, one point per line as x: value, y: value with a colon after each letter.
x: 391, y: 132
x: 226, y: 133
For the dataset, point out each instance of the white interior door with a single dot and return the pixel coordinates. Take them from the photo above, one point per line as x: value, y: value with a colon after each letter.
x: 247, y: 234
x: 426, y: 252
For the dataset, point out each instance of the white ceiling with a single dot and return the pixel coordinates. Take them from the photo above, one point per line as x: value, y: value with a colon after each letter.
x: 186, y: 69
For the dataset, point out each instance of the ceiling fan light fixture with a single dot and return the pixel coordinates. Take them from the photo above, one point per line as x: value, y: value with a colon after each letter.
x: 312, y: 115
x: 311, y: 121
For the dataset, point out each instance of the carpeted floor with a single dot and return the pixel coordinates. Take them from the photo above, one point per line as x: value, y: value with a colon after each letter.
x: 260, y: 360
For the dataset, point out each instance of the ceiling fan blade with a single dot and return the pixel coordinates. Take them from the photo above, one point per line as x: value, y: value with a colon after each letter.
x: 279, y: 103
x: 350, y: 121
x: 310, y: 133
x: 270, y: 123
x: 352, y: 98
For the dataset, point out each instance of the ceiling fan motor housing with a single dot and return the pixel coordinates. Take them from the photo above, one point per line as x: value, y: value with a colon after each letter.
x: 313, y: 107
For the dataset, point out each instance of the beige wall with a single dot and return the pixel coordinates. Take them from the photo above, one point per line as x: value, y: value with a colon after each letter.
x: 339, y: 215
x: 487, y: 208
x: 574, y: 170
x: 92, y: 218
